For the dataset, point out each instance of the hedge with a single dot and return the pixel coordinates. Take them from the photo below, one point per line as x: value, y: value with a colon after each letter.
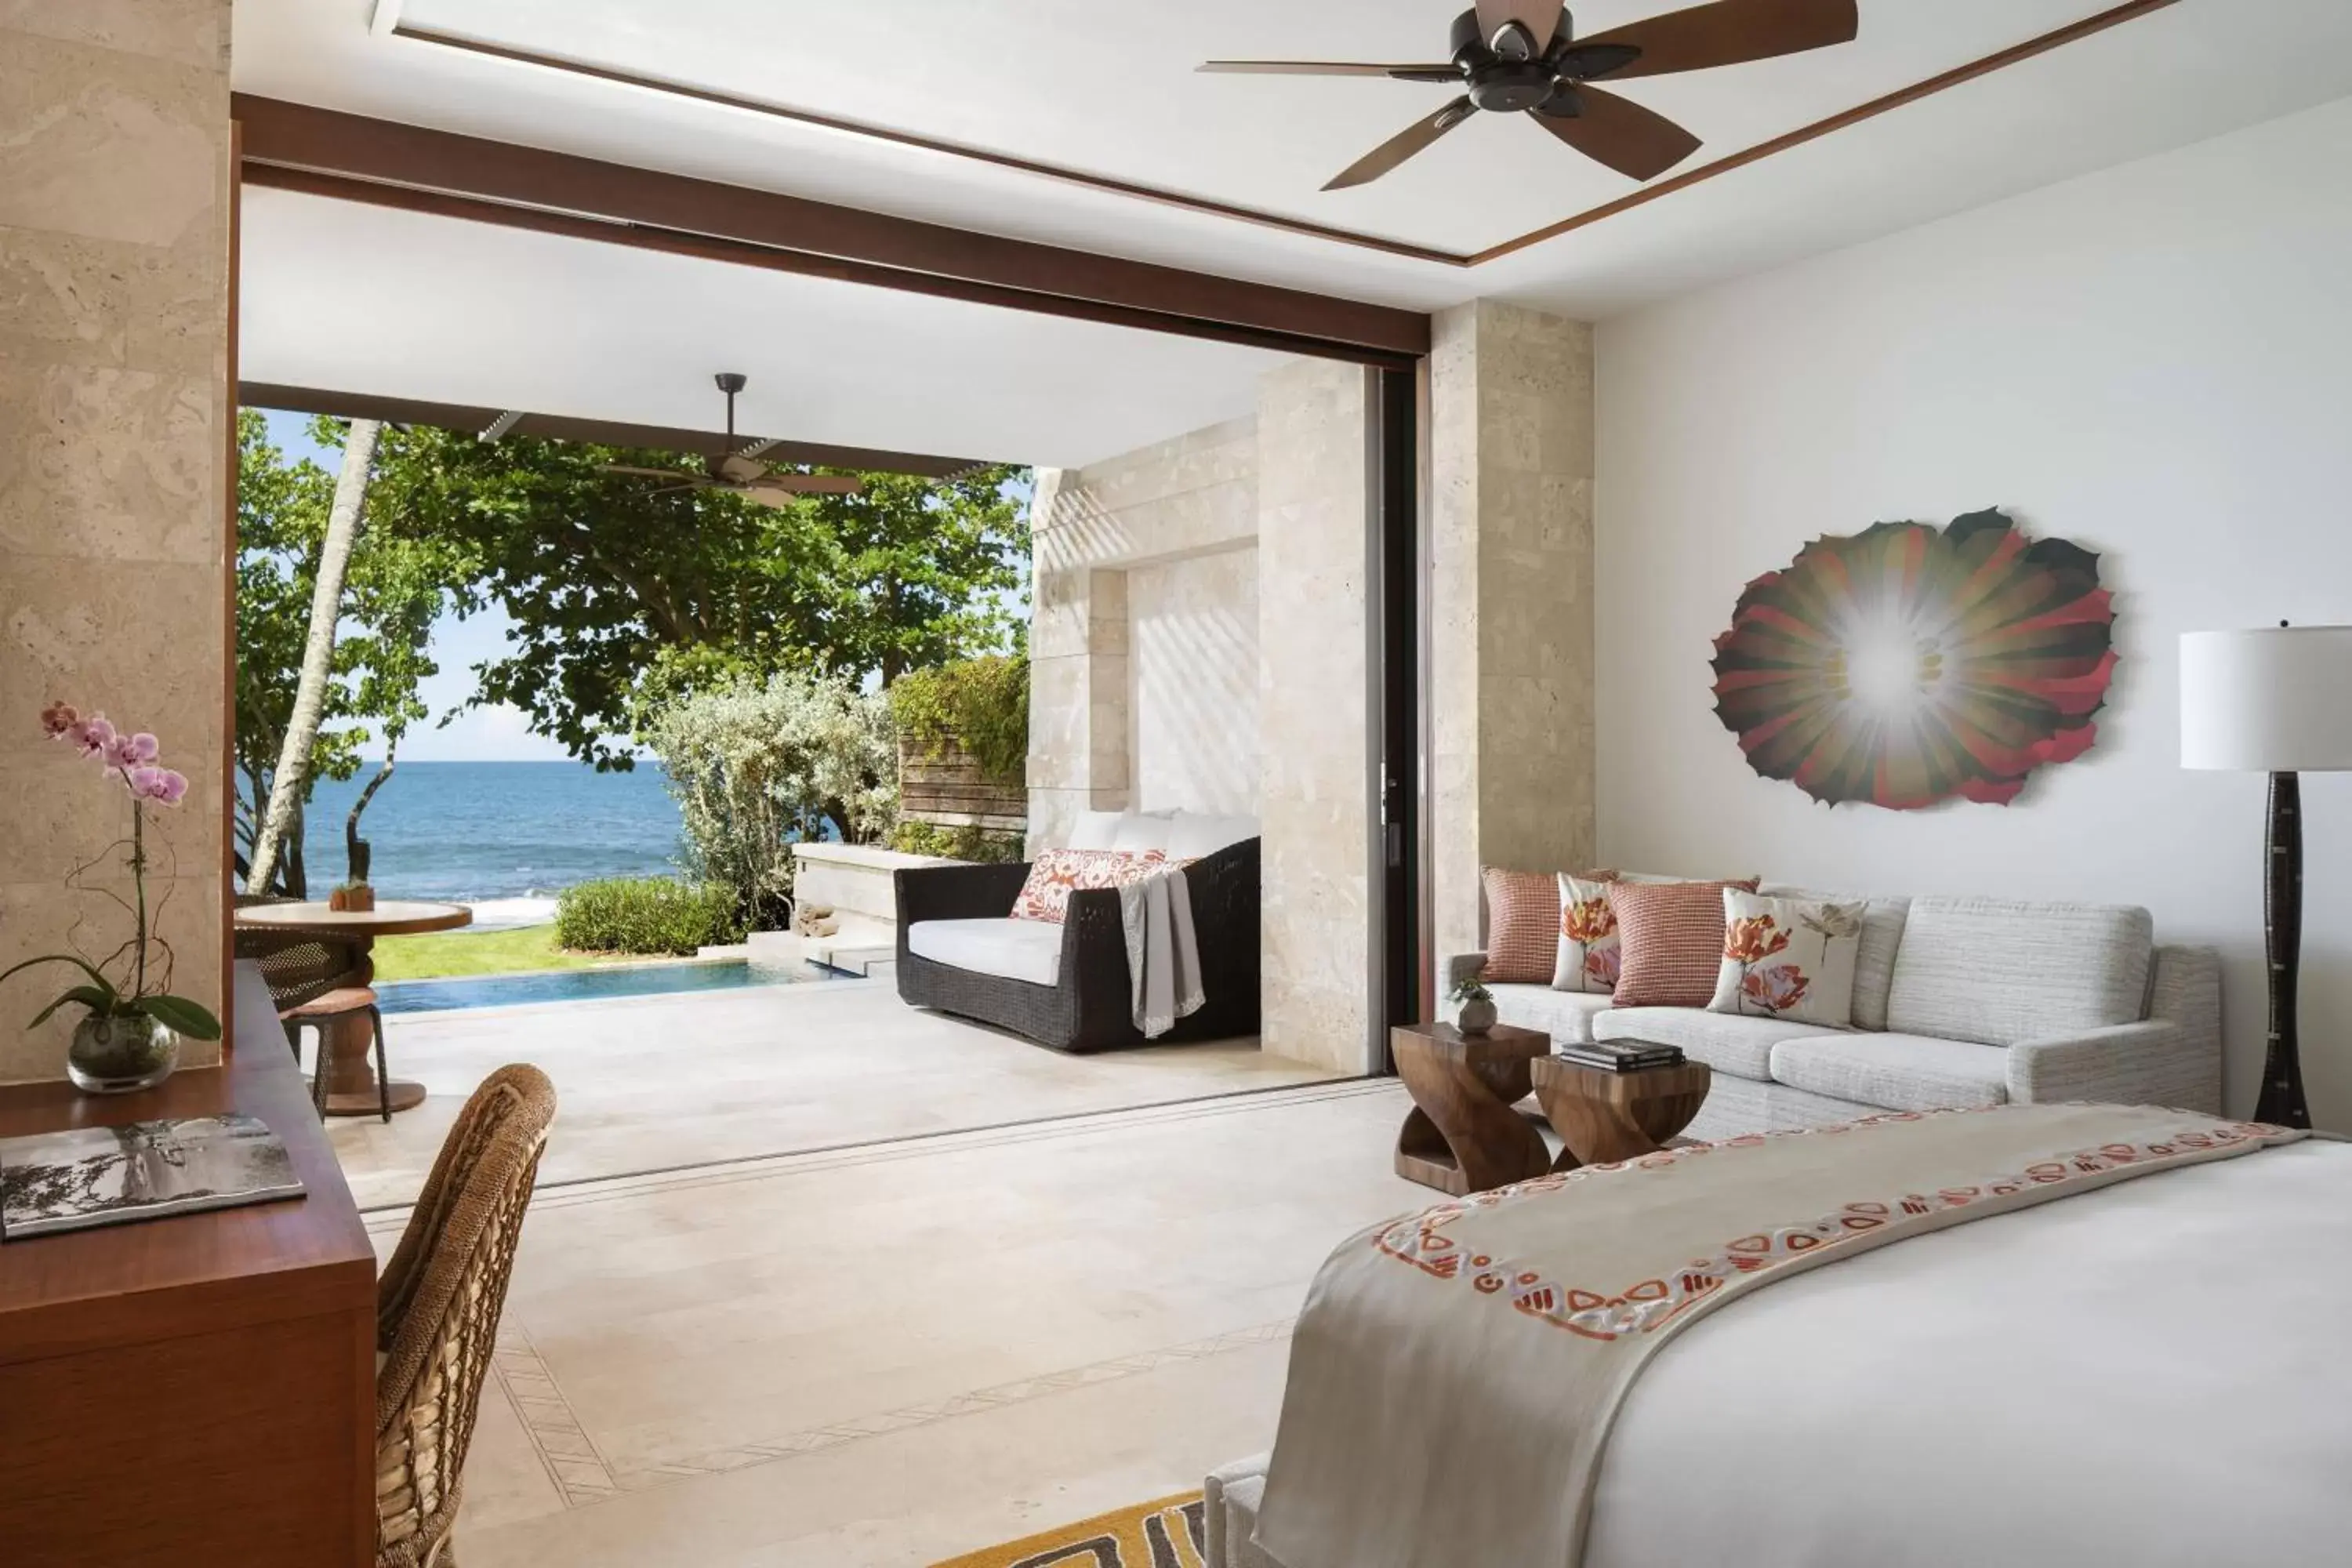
x: 645, y: 914
x: 914, y: 837
x: 981, y: 704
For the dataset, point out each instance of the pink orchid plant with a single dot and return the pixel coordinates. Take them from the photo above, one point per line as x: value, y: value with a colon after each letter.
x: 130, y: 761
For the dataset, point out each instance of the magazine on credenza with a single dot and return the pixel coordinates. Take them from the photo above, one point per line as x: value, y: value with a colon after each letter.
x: 85, y: 1176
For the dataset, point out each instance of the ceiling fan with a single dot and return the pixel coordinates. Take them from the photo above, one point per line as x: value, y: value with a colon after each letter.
x: 740, y: 470
x: 1523, y: 54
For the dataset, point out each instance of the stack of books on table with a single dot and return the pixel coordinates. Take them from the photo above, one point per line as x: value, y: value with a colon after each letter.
x: 1621, y: 1056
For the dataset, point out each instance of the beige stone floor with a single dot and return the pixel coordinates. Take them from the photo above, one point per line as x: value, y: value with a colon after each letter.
x: 892, y: 1354
x: 654, y: 1083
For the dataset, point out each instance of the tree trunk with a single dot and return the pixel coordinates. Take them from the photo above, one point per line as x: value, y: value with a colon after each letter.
x: 292, y: 779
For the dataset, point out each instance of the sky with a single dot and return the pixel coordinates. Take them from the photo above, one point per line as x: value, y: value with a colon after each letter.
x: 498, y: 733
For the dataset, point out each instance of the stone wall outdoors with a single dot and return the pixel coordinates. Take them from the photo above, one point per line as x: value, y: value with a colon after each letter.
x: 114, y: 403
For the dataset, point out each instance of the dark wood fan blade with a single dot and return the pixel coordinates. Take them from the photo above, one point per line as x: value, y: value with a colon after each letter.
x: 1402, y: 145
x: 647, y: 473
x: 1440, y: 71
x: 1727, y: 32
x: 1539, y: 17
x: 1638, y: 142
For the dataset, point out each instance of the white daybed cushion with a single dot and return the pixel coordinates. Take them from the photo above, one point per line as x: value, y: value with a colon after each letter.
x: 1901, y: 1072
x: 1562, y: 1015
x: 1006, y: 948
x: 1724, y: 1041
x: 1118, y: 830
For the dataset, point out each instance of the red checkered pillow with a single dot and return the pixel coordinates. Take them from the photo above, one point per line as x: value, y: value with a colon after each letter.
x: 1055, y: 874
x: 1523, y: 925
x: 1669, y: 941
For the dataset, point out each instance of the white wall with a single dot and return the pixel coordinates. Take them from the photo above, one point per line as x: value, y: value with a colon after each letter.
x: 2154, y: 362
x: 1191, y: 628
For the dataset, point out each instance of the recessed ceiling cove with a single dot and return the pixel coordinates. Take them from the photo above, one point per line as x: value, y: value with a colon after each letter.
x: 1111, y: 93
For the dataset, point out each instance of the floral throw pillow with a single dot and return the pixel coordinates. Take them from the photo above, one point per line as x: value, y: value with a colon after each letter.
x: 1055, y: 874
x: 1788, y: 958
x: 1589, y: 948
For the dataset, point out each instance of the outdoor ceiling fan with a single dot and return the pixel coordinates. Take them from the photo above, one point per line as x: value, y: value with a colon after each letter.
x: 741, y: 471
x: 1523, y: 54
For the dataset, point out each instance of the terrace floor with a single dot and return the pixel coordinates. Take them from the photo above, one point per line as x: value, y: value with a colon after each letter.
x: 659, y: 1083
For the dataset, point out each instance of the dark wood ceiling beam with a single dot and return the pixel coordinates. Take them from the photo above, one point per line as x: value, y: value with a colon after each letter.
x: 624, y: 204
x: 471, y: 421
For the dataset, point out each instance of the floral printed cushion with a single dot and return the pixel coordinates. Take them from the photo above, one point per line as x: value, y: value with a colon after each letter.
x: 1589, y: 948
x: 1055, y: 874
x: 1788, y: 958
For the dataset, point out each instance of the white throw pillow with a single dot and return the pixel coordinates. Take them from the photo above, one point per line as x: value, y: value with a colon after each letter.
x: 1193, y: 834
x: 1093, y: 830
x: 1588, y: 937
x: 1788, y: 958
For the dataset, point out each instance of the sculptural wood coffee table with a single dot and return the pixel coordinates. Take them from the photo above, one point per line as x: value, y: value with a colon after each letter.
x: 1462, y: 1136
x: 1602, y: 1117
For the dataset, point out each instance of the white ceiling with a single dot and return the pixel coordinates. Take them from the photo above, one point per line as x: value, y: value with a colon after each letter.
x: 1111, y: 88
x: 363, y: 298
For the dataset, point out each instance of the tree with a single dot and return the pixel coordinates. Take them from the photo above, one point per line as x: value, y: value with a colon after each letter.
x: 290, y: 786
x: 609, y: 577
x: 756, y: 765
x: 394, y: 592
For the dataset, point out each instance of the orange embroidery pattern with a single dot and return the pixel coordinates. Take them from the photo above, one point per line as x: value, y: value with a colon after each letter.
x: 1055, y: 874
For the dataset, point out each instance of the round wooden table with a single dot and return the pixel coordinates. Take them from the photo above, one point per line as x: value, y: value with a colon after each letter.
x: 350, y: 1041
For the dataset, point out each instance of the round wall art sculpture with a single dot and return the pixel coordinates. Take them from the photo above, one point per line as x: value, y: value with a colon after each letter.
x: 1908, y: 664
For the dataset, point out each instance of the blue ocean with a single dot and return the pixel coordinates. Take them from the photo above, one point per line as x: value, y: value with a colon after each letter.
x: 474, y: 832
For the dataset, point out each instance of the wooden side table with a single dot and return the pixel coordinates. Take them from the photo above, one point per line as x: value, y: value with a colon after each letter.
x: 1602, y: 1117
x: 1462, y: 1136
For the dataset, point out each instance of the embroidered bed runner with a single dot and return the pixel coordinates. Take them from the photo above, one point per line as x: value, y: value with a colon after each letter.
x: 1455, y: 1373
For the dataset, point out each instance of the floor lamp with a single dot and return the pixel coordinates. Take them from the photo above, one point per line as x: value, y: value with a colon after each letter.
x: 2278, y: 702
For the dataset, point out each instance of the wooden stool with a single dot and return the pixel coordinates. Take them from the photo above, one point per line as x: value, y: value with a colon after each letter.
x: 1462, y: 1136
x: 1603, y: 1116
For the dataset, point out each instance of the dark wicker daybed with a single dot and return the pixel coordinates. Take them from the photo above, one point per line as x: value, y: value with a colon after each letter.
x: 1089, y: 1007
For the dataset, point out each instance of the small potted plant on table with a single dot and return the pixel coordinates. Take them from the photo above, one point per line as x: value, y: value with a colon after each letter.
x: 1473, y: 1005
x: 129, y: 1035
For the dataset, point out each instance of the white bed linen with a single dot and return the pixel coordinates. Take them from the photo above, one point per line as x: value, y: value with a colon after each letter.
x: 2154, y: 1374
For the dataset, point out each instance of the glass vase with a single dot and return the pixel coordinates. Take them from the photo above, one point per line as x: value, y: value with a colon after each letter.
x: 120, y: 1054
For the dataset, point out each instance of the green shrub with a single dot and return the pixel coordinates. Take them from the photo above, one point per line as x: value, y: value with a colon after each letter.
x: 981, y: 704
x: 964, y: 843
x: 645, y: 914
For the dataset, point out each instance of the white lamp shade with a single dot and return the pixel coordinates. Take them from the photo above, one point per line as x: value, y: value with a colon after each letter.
x: 2275, y: 700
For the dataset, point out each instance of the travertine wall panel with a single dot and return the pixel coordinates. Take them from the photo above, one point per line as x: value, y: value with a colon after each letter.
x: 1314, y: 797
x: 1511, y: 657
x: 113, y: 419
x: 1193, y: 660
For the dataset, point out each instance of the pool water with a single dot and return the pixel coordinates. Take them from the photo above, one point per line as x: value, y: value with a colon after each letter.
x: 588, y: 984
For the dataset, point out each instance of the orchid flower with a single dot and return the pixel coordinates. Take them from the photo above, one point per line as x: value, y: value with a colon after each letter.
x: 129, y: 751
x: 160, y: 784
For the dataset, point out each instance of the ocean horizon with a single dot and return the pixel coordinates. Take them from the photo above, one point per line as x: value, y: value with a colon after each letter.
x: 511, y: 835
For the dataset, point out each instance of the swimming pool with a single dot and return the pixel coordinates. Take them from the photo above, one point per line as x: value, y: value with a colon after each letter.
x: 589, y: 984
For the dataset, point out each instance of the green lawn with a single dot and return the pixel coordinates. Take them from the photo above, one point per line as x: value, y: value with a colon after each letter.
x: 481, y: 953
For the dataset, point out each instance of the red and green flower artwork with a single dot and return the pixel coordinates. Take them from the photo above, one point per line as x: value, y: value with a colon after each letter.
x: 1910, y: 664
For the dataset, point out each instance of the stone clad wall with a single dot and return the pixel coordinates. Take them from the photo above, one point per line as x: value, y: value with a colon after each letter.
x: 1511, y: 649
x: 1143, y: 631
x: 114, y: 403
x: 1314, y: 789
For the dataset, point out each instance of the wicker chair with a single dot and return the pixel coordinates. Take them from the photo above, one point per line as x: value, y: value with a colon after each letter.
x: 1090, y: 1007
x: 437, y: 1311
x: 315, y: 982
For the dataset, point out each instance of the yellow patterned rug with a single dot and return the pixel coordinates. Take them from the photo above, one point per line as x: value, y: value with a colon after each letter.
x: 1162, y: 1534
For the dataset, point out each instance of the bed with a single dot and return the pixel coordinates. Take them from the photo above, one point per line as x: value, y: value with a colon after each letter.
x: 2151, y: 1371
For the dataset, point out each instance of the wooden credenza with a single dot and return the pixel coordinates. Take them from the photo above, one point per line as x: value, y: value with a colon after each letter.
x: 200, y: 1389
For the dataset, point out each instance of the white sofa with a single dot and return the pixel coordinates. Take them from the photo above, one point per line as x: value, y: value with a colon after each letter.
x: 1957, y: 1003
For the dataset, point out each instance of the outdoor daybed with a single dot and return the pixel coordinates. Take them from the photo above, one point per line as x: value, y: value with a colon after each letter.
x: 1066, y: 985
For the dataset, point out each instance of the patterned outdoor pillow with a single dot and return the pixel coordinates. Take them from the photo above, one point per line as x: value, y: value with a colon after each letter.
x: 1523, y: 924
x: 1788, y: 958
x: 1055, y: 874
x: 1670, y: 941
x: 1587, y: 936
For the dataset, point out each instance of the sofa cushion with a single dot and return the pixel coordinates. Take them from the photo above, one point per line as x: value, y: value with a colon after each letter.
x: 1562, y: 1015
x: 1998, y: 971
x: 1055, y: 874
x: 1669, y: 941
x: 1788, y: 958
x: 1740, y: 1046
x: 1105, y: 829
x: 1874, y: 963
x: 1006, y: 948
x: 1901, y: 1072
